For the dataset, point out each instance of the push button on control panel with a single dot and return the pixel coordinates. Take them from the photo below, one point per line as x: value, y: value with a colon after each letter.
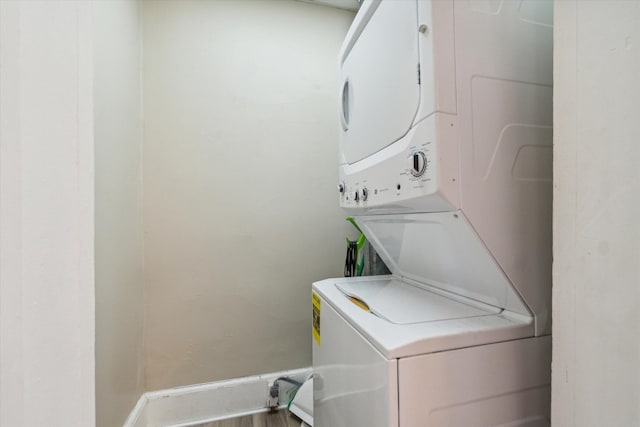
x: 418, y: 164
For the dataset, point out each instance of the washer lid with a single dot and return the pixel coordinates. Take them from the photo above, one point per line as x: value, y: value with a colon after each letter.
x: 441, y: 250
x: 401, y: 303
x: 442, y: 325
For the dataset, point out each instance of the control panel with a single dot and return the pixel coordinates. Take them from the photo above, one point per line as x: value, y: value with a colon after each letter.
x: 403, y: 176
x: 411, y: 177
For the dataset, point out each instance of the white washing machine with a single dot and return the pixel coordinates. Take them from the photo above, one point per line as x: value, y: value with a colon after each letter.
x: 445, y: 145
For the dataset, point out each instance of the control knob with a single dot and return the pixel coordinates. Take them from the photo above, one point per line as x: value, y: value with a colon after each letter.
x: 418, y: 163
x: 365, y: 194
x: 341, y: 188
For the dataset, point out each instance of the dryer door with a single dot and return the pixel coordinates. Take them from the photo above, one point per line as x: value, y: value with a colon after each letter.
x: 380, y: 90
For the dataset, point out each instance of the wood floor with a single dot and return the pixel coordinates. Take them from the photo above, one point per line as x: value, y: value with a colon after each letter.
x: 278, y: 419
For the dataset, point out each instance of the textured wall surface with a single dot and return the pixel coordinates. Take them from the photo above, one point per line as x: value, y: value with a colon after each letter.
x: 240, y: 167
x: 118, y: 220
x: 596, y: 272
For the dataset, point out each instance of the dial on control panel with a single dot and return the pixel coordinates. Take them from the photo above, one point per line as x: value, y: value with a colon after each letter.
x: 365, y: 194
x: 356, y: 195
x: 418, y: 162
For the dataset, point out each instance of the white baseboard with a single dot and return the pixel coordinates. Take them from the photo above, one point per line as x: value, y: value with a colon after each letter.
x: 202, y: 403
x: 138, y: 416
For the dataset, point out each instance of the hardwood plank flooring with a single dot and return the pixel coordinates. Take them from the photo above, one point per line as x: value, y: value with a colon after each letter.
x: 277, y: 419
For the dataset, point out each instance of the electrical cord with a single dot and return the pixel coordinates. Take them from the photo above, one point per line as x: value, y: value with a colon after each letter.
x: 274, y: 391
x: 288, y: 380
x: 351, y: 260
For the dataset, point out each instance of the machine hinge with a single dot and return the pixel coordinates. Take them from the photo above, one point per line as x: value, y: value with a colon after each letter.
x: 418, y: 73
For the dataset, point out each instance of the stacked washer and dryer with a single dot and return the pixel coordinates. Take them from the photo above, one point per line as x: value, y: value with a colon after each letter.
x: 446, y: 165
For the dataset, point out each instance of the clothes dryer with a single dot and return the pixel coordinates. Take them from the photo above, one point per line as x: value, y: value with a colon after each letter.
x: 445, y: 163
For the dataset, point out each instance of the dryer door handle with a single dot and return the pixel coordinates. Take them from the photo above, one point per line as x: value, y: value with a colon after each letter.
x: 346, y: 103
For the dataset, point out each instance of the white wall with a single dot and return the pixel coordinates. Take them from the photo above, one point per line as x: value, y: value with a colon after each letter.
x: 596, y: 272
x: 46, y: 215
x: 118, y: 215
x: 240, y: 167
